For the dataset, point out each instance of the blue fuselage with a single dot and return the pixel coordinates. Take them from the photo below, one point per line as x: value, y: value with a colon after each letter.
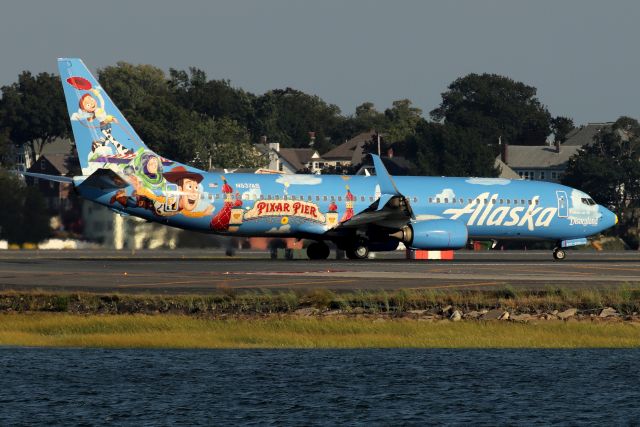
x: 312, y: 205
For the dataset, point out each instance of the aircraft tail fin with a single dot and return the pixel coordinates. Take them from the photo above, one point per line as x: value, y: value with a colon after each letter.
x: 102, y: 134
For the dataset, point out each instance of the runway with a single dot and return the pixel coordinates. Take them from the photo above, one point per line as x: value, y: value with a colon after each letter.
x: 200, y: 271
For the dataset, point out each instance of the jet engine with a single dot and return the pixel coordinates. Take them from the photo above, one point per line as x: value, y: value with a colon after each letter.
x: 434, y: 234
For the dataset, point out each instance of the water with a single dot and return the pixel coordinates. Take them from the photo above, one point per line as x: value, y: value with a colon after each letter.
x: 318, y: 387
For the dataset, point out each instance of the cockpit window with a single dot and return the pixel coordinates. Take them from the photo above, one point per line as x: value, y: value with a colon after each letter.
x: 588, y: 201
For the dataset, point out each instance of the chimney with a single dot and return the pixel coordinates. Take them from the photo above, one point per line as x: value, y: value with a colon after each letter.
x: 557, y: 142
x: 312, y: 139
x: 504, y: 153
x: 390, y: 153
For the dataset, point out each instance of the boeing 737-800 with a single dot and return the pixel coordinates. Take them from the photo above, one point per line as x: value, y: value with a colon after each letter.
x: 358, y: 213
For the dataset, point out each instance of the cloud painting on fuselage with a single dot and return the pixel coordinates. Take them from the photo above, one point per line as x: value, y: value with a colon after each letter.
x: 357, y: 213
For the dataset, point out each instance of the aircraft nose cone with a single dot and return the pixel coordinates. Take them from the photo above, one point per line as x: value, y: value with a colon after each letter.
x: 609, y: 218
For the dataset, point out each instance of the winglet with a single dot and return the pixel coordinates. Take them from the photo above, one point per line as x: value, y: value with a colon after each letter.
x: 388, y: 188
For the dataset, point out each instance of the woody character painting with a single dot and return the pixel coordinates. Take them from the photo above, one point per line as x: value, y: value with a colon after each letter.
x: 167, y: 203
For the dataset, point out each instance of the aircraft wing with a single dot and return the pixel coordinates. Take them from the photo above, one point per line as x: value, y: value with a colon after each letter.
x: 391, y: 210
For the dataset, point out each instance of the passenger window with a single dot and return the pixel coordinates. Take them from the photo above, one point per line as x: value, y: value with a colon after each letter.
x: 292, y: 197
x: 324, y: 198
x: 515, y: 201
x: 277, y: 197
x: 437, y: 199
x: 430, y: 199
x: 415, y: 200
x: 522, y: 202
x: 333, y: 198
x: 446, y: 200
x: 262, y: 197
x: 502, y: 201
x: 269, y: 197
x: 339, y: 198
x: 284, y: 197
x: 371, y: 198
x: 210, y: 196
x: 462, y: 201
x: 529, y: 201
x: 217, y: 196
x: 537, y: 201
x: 508, y: 201
x: 317, y: 198
x: 362, y: 198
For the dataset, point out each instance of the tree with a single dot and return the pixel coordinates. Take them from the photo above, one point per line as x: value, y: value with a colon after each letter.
x: 495, y: 106
x: 443, y: 149
x: 215, y: 98
x: 288, y: 115
x: 561, y: 127
x: 224, y: 143
x: 609, y: 171
x: 33, y: 111
x: 402, y: 119
x: 26, y: 219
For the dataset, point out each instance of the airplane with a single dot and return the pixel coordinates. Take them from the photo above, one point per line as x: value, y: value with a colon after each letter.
x: 357, y: 213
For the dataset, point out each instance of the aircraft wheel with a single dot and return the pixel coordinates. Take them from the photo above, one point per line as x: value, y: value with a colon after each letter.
x: 358, y: 252
x: 559, y: 254
x: 318, y: 250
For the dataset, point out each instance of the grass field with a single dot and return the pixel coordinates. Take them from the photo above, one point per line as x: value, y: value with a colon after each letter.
x: 181, y: 331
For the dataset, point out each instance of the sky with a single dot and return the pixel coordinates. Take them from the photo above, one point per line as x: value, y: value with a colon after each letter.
x: 580, y: 54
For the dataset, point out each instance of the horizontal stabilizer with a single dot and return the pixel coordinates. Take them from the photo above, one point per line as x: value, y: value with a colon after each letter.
x: 55, y: 178
x: 104, y: 179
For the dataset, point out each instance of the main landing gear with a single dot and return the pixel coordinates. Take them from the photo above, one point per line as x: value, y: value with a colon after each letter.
x: 559, y: 254
x: 318, y: 250
x: 359, y: 251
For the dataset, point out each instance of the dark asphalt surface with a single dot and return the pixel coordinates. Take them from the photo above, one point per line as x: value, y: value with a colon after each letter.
x: 200, y: 271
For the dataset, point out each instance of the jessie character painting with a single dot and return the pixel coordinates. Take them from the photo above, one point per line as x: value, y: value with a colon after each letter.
x: 90, y: 110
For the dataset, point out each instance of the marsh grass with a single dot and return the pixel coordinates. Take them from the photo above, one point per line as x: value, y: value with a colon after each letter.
x: 181, y: 331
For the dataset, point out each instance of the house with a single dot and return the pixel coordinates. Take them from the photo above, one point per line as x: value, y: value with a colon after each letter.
x: 539, y: 162
x: 294, y: 160
x: 584, y: 135
x: 350, y: 153
x: 62, y: 204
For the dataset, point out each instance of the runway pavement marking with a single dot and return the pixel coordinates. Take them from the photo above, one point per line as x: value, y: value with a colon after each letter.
x: 285, y: 284
x: 178, y: 282
x: 462, y: 285
x: 599, y: 267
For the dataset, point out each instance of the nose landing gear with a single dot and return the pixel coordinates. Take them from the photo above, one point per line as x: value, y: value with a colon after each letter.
x: 559, y: 254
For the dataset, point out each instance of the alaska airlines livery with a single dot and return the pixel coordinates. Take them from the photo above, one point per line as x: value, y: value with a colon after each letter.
x: 358, y: 213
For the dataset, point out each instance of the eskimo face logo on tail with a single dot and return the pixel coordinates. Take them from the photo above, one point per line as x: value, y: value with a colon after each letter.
x: 484, y: 211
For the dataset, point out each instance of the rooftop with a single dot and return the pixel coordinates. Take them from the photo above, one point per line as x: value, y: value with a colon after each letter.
x: 539, y: 156
x: 350, y: 150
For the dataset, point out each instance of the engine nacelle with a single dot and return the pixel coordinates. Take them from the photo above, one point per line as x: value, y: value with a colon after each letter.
x: 434, y: 234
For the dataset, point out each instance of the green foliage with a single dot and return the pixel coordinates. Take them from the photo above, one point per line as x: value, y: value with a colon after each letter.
x: 287, y: 116
x: 33, y: 112
x: 609, y: 171
x: 561, y: 126
x: 495, y: 106
x: 448, y: 150
x: 26, y: 219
